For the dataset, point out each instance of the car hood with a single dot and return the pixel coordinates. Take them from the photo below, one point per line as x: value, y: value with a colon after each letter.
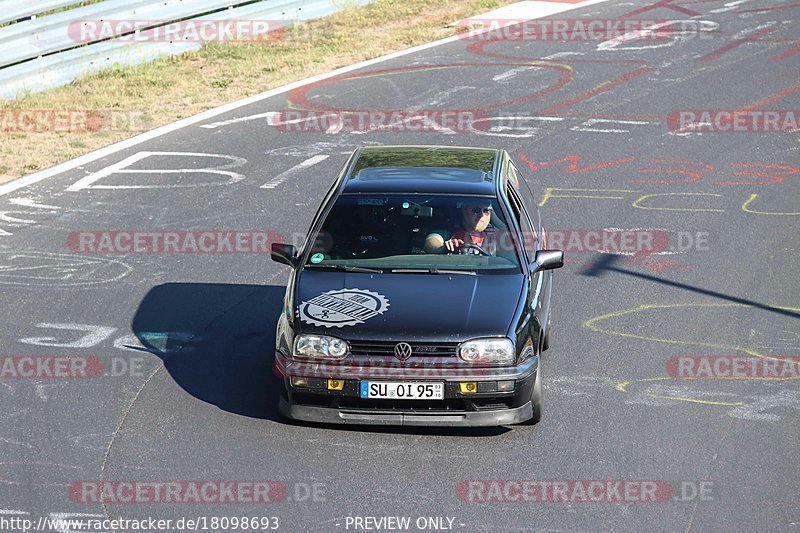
x: 421, y: 307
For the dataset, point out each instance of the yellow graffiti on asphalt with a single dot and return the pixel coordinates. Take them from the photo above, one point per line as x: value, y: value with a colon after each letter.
x: 750, y: 200
x: 548, y: 194
x: 622, y: 386
x: 693, y: 400
x: 551, y: 193
x: 647, y: 196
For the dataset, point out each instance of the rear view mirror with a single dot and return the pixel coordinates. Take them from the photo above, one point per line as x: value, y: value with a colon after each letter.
x: 284, y: 253
x: 549, y: 259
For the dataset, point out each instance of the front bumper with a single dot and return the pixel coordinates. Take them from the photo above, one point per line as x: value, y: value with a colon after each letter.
x: 456, y: 409
x: 326, y: 415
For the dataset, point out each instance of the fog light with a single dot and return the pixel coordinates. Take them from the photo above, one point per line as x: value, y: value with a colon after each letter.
x: 335, y: 384
x: 487, y: 386
x: 505, y: 386
x: 298, y: 381
x: 468, y: 387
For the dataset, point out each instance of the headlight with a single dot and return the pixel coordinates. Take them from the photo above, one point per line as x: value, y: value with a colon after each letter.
x: 320, y: 347
x: 490, y: 351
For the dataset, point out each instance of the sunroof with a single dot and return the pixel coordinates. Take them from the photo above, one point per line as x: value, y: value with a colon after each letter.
x: 422, y: 173
x: 447, y: 158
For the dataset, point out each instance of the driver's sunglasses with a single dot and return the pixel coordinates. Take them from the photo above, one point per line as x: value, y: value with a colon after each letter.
x: 481, y: 210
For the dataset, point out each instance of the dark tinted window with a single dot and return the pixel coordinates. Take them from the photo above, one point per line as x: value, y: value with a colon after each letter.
x: 528, y: 199
x: 397, y: 231
x: 528, y: 233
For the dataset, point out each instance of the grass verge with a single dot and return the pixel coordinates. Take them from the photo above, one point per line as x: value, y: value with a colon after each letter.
x: 147, y: 96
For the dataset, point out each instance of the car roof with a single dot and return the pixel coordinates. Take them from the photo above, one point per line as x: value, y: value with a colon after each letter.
x: 424, y: 169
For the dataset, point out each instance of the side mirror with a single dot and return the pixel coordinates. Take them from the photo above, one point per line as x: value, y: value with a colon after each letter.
x: 284, y: 253
x: 548, y: 259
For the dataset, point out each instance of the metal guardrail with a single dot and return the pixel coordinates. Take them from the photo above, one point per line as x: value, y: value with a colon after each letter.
x: 61, y: 31
x: 49, y: 57
x: 11, y: 10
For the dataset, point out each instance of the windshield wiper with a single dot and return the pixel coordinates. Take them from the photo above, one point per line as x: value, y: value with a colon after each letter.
x: 433, y: 270
x: 349, y: 268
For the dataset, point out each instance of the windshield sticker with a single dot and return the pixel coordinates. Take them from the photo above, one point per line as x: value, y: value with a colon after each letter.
x: 371, y: 201
x: 317, y: 258
x: 345, y: 307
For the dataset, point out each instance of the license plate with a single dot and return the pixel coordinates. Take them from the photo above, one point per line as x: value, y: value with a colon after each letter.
x: 402, y: 390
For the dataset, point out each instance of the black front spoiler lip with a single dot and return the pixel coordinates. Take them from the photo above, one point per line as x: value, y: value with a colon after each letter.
x: 327, y: 415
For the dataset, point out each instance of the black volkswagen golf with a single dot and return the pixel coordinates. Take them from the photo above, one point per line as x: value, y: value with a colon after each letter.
x: 421, y: 295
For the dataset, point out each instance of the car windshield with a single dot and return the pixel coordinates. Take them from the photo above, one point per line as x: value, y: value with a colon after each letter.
x: 415, y: 233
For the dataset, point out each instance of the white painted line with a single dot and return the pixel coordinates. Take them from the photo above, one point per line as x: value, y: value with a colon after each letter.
x: 508, y: 124
x: 273, y: 119
x: 749, y: 31
x: 211, y: 113
x: 563, y: 54
x: 269, y: 115
x: 512, y: 73
x: 119, y: 168
x: 280, y: 178
x: 91, y: 178
x: 94, y: 335
x: 14, y: 220
x: 587, y: 125
x: 27, y: 202
x: 730, y: 6
x: 429, y: 125
x: 676, y: 35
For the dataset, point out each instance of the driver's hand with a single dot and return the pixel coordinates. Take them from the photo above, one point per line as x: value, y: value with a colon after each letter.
x: 453, y: 244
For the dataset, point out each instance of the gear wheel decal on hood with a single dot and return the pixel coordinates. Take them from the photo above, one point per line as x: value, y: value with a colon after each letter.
x: 345, y: 307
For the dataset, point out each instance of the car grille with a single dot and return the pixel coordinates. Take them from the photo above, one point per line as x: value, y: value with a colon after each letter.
x: 418, y: 349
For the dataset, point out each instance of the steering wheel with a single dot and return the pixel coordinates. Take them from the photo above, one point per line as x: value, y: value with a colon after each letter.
x: 476, y: 247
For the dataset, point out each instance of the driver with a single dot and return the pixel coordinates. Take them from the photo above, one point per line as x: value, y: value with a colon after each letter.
x: 475, y: 219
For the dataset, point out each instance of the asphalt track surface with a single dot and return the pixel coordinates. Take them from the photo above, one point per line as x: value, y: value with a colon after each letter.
x: 202, y: 403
